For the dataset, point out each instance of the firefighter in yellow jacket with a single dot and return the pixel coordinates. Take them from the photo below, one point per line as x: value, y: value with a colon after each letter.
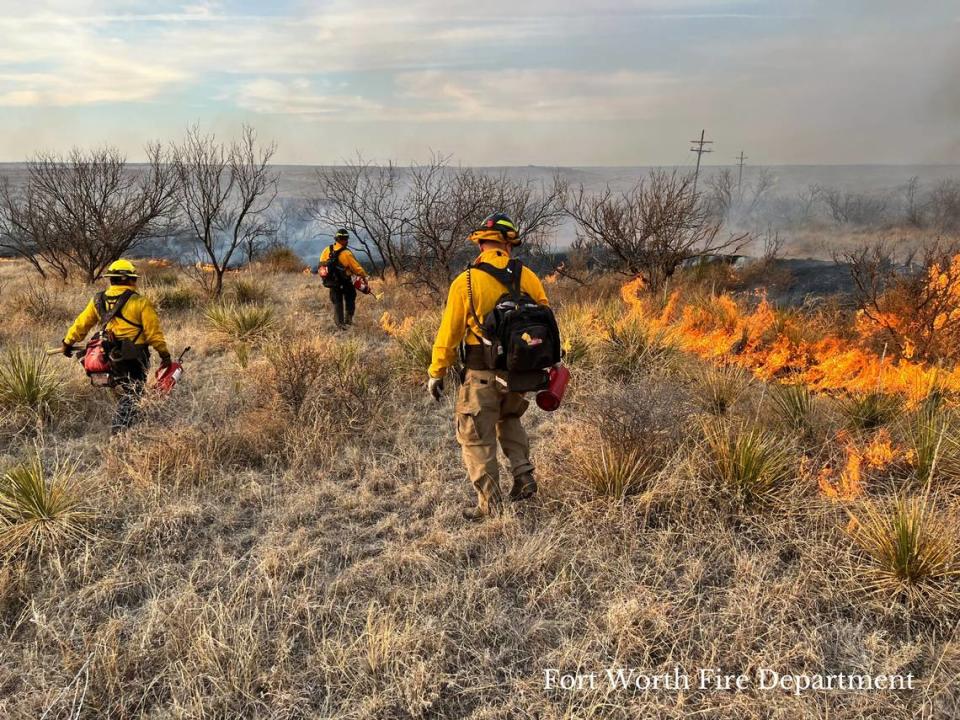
x: 135, y: 328
x: 341, y: 265
x: 486, y: 411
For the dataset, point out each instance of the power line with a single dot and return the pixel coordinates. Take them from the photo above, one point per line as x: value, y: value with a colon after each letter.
x: 699, y: 149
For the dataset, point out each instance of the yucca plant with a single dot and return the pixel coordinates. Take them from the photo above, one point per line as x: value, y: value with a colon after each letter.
x: 794, y: 403
x: 245, y: 323
x: 40, y: 511
x: 868, y: 411
x: 722, y: 387
x: 751, y: 465
x: 909, y: 546
x: 614, y: 471
x: 631, y: 345
x: 248, y: 291
x: 175, y: 298
x: 28, y: 383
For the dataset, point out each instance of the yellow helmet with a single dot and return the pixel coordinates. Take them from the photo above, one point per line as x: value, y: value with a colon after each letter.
x: 121, y: 269
x: 497, y: 227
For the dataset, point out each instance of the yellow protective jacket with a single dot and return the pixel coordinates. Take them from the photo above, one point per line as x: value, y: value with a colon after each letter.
x: 138, y: 310
x: 346, y: 259
x: 457, y: 318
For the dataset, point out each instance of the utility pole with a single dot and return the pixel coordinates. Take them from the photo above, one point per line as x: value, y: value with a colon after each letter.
x: 740, y: 160
x: 699, y: 149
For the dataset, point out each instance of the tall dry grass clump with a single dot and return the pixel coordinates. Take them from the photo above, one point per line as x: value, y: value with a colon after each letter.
x: 28, y: 384
x: 297, y: 365
x: 41, y: 510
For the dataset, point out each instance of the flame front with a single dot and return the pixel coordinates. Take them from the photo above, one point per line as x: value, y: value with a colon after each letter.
x: 773, y: 345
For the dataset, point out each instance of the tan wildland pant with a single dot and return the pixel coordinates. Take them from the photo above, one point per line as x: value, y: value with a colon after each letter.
x: 487, y: 413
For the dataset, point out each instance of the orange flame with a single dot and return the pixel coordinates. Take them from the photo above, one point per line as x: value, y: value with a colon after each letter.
x: 770, y: 345
x: 392, y: 327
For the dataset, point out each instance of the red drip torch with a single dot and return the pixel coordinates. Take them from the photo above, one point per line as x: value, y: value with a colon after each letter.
x: 550, y: 397
x: 169, y: 376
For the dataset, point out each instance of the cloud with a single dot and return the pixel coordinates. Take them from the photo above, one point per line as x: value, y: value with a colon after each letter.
x: 299, y: 97
x: 531, y: 95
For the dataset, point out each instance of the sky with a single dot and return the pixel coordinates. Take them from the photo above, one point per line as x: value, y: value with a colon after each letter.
x: 491, y: 82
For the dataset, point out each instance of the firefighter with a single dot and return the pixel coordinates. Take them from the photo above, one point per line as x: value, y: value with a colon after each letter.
x: 341, y: 266
x: 486, y: 411
x: 135, y: 328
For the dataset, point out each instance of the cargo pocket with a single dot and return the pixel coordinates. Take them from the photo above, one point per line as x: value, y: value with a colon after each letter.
x: 514, y: 405
x: 476, y: 413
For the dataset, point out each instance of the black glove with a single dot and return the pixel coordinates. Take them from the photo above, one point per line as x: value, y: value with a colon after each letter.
x: 165, y: 361
x: 66, y: 348
x: 435, y: 388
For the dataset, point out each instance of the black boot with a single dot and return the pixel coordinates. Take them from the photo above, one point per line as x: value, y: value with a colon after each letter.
x: 524, y: 486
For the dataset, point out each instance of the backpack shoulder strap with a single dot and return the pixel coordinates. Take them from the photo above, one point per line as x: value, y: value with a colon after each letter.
x: 508, y: 276
x: 107, y: 315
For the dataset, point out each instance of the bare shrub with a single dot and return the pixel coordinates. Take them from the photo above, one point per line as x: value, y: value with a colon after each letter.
x: 914, y: 304
x: 851, y: 208
x: 650, y: 230
x: 223, y: 194
x: 81, y: 212
x: 281, y: 259
x: 296, y: 366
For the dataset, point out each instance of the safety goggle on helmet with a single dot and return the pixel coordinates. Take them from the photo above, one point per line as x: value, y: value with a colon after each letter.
x: 501, y: 223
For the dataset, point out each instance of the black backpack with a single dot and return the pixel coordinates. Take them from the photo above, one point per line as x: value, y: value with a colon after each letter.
x: 332, y: 273
x: 518, y: 335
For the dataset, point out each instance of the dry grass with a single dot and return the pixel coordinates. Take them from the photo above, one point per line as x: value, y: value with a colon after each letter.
x: 283, y: 540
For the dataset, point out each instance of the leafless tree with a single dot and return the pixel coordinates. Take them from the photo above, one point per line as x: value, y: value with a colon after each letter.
x: 223, y: 195
x: 446, y: 204
x: 944, y: 204
x: 369, y: 201
x: 848, y: 207
x: 81, y: 212
x: 721, y: 192
x: 651, y: 229
x: 914, y: 205
x: 417, y: 220
x: 752, y: 194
